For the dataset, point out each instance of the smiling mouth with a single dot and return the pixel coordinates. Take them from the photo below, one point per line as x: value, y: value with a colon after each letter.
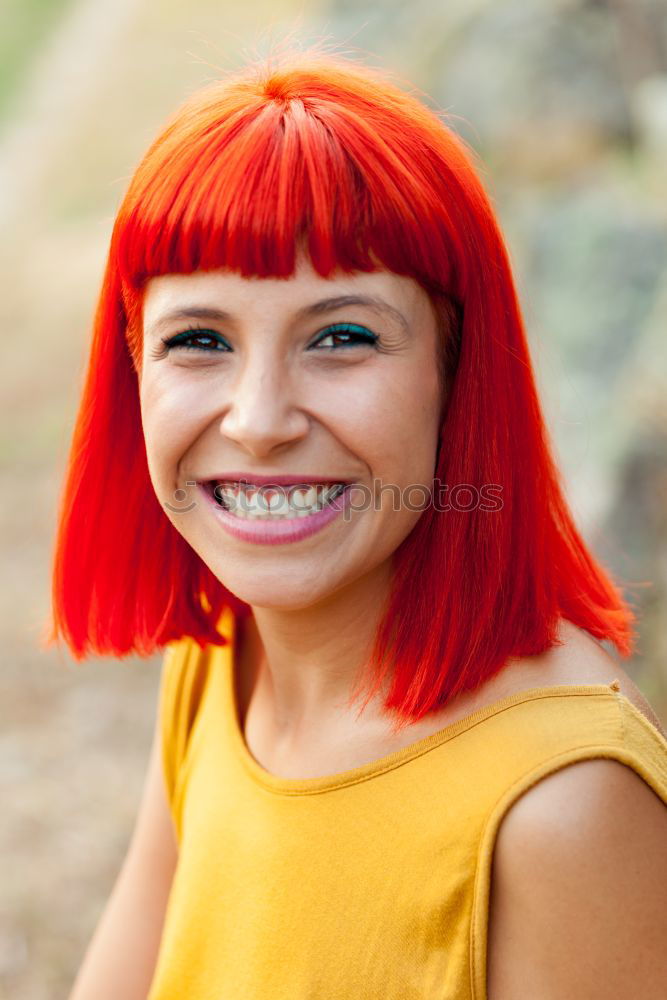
x: 273, y: 502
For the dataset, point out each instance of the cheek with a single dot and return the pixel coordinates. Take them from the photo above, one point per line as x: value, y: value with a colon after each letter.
x: 169, y: 421
x: 397, y: 418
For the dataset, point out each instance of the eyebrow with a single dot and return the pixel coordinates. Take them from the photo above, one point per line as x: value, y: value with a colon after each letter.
x: 314, y: 309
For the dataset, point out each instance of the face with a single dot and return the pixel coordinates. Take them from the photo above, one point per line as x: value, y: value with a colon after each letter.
x: 332, y: 380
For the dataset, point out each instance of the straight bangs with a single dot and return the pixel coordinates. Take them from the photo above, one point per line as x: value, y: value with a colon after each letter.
x: 245, y: 181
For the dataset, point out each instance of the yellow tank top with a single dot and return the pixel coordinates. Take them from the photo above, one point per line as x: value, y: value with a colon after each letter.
x: 370, y: 883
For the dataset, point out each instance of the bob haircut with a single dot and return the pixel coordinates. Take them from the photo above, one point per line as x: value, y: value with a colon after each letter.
x: 317, y: 150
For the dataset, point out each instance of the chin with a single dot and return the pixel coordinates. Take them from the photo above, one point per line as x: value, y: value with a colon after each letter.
x: 297, y: 599
x: 274, y: 589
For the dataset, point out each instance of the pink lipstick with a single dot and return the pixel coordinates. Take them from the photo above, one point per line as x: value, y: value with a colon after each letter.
x: 276, y: 531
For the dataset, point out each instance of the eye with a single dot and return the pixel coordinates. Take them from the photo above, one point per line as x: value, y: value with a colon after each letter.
x: 354, y: 336
x: 204, y: 340
x: 197, y: 338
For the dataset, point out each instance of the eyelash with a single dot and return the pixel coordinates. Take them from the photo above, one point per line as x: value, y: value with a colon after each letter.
x: 178, y: 341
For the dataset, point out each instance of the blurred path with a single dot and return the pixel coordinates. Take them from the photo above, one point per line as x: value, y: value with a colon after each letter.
x: 60, y: 86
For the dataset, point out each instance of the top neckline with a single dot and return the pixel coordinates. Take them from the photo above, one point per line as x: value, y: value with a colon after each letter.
x: 363, y: 772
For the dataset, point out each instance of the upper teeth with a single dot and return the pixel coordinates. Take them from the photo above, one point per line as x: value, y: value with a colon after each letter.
x: 276, y: 501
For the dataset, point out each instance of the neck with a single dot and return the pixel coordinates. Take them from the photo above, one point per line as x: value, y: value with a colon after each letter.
x: 303, y: 664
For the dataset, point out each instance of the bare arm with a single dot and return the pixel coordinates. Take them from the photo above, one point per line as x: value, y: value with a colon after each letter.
x: 579, y: 889
x: 120, y: 959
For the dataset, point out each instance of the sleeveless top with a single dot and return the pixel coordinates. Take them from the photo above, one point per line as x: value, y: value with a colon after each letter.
x: 368, y: 884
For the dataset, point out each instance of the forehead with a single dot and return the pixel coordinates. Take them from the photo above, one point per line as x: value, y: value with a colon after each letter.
x: 215, y: 288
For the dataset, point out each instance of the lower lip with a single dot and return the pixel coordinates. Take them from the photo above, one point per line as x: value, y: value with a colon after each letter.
x: 278, y: 532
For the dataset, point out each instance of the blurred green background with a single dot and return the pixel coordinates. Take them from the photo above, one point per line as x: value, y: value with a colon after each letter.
x: 565, y: 101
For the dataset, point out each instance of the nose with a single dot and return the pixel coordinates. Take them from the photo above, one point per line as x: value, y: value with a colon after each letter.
x: 263, y: 412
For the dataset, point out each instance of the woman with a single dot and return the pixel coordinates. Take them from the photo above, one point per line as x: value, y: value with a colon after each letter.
x: 311, y: 462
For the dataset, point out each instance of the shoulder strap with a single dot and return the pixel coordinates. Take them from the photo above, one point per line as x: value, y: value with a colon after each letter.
x: 182, y: 682
x: 645, y: 747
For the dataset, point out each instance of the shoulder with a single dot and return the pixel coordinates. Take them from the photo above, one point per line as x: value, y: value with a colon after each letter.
x: 579, y: 889
x: 578, y: 659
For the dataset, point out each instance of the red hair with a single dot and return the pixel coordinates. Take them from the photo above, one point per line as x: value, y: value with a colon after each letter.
x: 322, y: 151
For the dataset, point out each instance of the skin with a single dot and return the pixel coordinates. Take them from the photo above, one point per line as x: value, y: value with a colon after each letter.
x: 273, y: 402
